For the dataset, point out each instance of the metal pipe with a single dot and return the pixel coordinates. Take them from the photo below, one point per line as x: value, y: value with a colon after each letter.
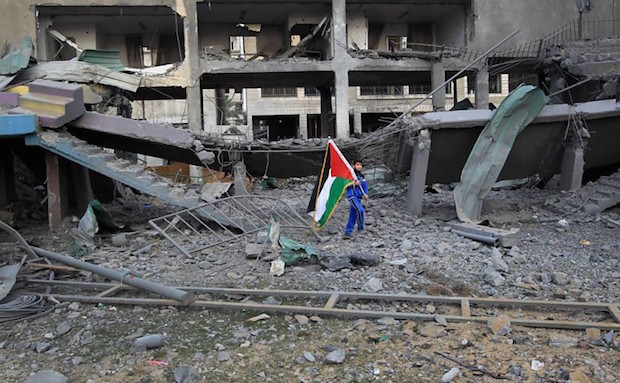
x: 170, y: 292
x: 489, y: 240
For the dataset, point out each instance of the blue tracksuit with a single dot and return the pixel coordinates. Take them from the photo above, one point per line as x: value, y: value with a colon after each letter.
x: 355, y: 195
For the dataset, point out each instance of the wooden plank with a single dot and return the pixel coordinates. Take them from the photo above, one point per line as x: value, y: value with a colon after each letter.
x: 52, y: 267
x: 613, y: 309
x: 568, y: 325
x: 465, y: 309
x: 386, y: 297
x: 332, y: 301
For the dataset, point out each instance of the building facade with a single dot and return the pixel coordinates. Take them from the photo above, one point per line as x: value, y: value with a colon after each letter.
x: 276, y: 69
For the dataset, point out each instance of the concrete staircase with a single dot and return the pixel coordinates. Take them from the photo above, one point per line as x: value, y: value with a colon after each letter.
x: 605, y: 194
x: 54, y: 103
x: 97, y: 159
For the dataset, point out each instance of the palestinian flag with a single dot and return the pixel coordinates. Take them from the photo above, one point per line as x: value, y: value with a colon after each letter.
x: 336, y: 176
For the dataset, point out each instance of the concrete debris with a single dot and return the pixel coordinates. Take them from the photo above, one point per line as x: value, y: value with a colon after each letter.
x: 450, y: 375
x: 47, y: 376
x: 186, y: 374
x: 431, y: 330
x: 500, y: 325
x: 336, y: 357
x: 373, y: 285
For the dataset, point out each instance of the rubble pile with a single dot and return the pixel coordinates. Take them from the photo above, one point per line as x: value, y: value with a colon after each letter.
x: 571, y: 261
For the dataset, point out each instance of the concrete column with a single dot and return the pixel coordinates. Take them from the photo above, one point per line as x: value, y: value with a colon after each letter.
x: 42, y: 44
x: 572, y: 168
x: 7, y: 177
x: 192, y: 57
x: 54, y: 206
x: 340, y: 66
x: 357, y: 121
x: 303, y: 126
x: 438, y: 77
x: 482, y: 88
x: 417, y: 174
x: 326, y: 112
x: 239, y: 178
x: 81, y: 187
x: 342, y: 104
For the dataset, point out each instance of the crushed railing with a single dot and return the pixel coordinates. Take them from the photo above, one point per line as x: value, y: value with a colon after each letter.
x: 225, y: 220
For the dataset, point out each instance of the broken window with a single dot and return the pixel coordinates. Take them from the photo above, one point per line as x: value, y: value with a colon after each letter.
x: 311, y: 91
x: 243, y: 46
x: 396, y: 43
x: 420, y: 87
x: 149, y: 56
x: 278, y: 92
x: 495, y: 84
x: 381, y: 90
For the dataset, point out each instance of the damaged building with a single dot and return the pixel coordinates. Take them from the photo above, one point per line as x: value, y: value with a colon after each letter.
x: 173, y: 173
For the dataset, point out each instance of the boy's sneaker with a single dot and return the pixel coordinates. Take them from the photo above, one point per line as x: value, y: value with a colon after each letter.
x: 346, y: 236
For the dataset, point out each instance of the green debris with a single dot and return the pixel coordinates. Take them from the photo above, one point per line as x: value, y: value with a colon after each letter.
x: 293, y: 252
x: 104, y: 219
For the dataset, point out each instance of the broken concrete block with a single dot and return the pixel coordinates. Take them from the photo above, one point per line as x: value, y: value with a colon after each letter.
x: 206, y: 157
x: 47, y: 376
x: 500, y: 325
x: 253, y: 250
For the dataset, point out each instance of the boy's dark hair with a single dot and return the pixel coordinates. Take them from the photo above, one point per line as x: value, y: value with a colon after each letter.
x: 355, y: 161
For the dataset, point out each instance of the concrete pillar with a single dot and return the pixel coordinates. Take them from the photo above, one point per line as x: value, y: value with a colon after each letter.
x: 54, y: 206
x: 340, y: 66
x: 438, y: 77
x: 42, y: 44
x: 357, y: 121
x: 342, y: 104
x: 7, y: 177
x: 482, y: 88
x: 81, y: 187
x: 239, y: 178
x: 417, y: 174
x: 327, y: 127
x: 303, y: 126
x: 572, y: 168
x: 192, y: 57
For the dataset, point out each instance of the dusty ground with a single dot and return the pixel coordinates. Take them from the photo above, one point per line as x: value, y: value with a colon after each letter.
x: 577, y: 262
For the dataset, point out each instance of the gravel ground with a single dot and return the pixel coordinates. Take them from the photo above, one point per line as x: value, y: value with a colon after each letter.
x: 576, y: 260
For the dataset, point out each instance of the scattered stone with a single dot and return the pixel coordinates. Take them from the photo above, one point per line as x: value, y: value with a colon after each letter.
x: 609, y: 337
x: 406, y: 245
x: 430, y: 308
x: 74, y: 306
x: 387, y: 321
x: 47, y: 376
x: 562, y: 224
x: 498, y: 263
x: 316, y: 318
x: 119, y: 240
x: 206, y: 157
x: 561, y: 341
x: 431, y: 330
x: 339, y: 263
x: 41, y: 346
x: 494, y: 278
x: 76, y: 361
x: 578, y: 377
x: 559, y: 279
x: 63, y: 328
x: 270, y: 301
x: 500, y: 325
x: 186, y: 374
x: 253, y: 250
x: 223, y: 356
x: 301, y: 319
x: 373, y: 285
x: 364, y: 259
x: 309, y: 357
x: 336, y: 357
x: 259, y: 318
x: 593, y: 333
x: 448, y: 376
x: 441, y: 320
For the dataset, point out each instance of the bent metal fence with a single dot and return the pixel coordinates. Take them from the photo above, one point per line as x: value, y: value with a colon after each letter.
x: 225, y: 220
